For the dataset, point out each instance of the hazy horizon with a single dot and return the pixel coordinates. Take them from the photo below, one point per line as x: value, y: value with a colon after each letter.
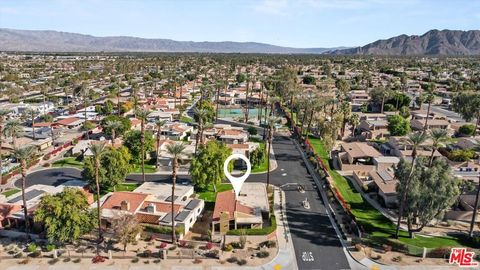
x: 289, y: 23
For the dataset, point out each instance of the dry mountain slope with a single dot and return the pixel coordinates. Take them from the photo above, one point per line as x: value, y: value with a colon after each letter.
x: 53, y: 41
x: 434, y: 42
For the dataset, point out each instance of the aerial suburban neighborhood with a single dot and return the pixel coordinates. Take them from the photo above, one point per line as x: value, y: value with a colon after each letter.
x: 126, y: 153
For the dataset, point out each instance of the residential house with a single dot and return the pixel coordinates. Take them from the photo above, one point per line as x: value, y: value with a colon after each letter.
x: 357, y: 156
x: 70, y: 122
x: 249, y: 210
x: 373, y: 129
x: 151, y: 203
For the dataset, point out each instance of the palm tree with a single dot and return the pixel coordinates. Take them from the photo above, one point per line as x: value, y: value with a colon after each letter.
x: 97, y: 152
x: 23, y: 155
x: 271, y: 121
x: 346, y: 110
x: 201, y: 115
x: 176, y: 151
x: 85, y: 92
x: 415, y: 140
x: 354, y: 120
x: 438, y: 136
x: 429, y: 99
x: 3, y: 113
x: 13, y: 128
x: 142, y: 115
x: 159, y: 124
x: 113, y: 125
x: 31, y: 113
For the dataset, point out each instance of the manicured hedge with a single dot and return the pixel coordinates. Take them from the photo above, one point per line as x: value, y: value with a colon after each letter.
x: 162, y: 229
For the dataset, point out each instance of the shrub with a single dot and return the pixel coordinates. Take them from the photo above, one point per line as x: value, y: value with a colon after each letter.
x: 397, y: 259
x: 53, y: 261
x: 18, y: 255
x: 232, y: 259
x: 172, y: 248
x: 147, y: 253
x: 228, y: 247
x: 242, y: 262
x: 135, y: 260
x: 77, y: 260
x: 467, y: 129
x: 209, y: 246
x: 66, y: 259
x: 31, y: 247
x: 146, y: 262
x: 163, y: 245
x: 268, y: 244
x: 358, y: 247
x: 197, y: 261
x: 98, y: 259
x: 36, y: 254
x: 49, y: 247
x: 212, y: 254
x: 236, y: 245
x: 182, y: 243
x: 263, y: 254
x: 156, y: 261
x: 441, y: 252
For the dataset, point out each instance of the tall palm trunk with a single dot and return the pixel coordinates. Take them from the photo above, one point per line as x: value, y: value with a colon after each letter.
x: 383, y: 103
x: 426, y: 119
x: 270, y: 139
x: 99, y: 210
x: 33, y: 126
x: 118, y: 103
x: 475, y: 209
x: 404, y: 194
x: 199, y: 133
x: 246, y: 103
x: 113, y: 136
x: 158, y: 147
x: 142, y: 141
x: 23, y: 165
x: 174, y: 180
x: 310, y: 122
x: 1, y: 156
x: 216, y: 101
x: 260, y: 107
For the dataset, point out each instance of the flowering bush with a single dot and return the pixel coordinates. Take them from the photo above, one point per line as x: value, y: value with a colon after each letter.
x: 98, y: 259
x: 163, y: 245
x: 209, y: 245
x: 182, y: 243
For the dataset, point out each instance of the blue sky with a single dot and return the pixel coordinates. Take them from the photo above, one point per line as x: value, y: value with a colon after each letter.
x: 296, y: 23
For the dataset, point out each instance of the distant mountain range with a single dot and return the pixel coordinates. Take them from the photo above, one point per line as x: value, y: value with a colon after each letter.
x: 434, y: 42
x: 54, y: 41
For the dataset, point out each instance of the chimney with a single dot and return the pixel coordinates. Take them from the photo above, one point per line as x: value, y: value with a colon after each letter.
x: 125, y: 206
x: 150, y: 208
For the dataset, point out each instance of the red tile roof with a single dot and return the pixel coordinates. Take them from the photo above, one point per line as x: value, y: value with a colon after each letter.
x: 226, y: 202
x: 133, y: 198
x: 7, y: 209
x: 67, y: 121
x: 163, y: 207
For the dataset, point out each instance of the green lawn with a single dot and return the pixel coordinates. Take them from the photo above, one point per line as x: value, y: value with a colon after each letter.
x: 209, y: 194
x: 68, y: 162
x: 149, y: 167
x: 374, y: 222
x: 263, y: 166
x: 10, y: 192
x: 125, y: 187
x: 186, y: 119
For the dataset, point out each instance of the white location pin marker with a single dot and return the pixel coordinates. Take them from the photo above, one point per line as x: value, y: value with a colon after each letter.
x: 237, y: 182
